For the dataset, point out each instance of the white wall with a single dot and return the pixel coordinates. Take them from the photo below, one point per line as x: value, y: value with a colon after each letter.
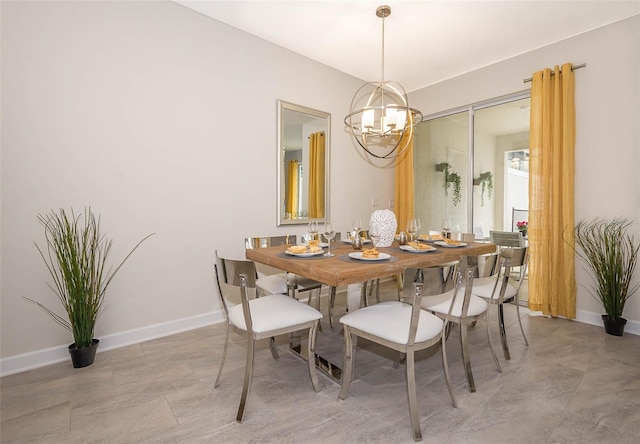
x: 163, y: 121
x: 607, y: 183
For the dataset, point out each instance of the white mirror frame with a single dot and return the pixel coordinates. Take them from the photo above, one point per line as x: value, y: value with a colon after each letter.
x: 301, y: 121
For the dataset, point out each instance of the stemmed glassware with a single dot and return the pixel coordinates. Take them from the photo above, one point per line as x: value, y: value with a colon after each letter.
x: 413, y: 225
x: 329, y: 233
x: 374, y: 233
x: 313, y: 229
x: 357, y: 226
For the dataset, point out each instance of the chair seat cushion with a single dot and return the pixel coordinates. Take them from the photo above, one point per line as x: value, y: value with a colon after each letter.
x: 441, y: 303
x: 483, y: 287
x: 390, y: 321
x: 273, y: 312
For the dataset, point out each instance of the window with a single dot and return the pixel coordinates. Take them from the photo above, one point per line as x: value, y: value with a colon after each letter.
x: 471, y: 166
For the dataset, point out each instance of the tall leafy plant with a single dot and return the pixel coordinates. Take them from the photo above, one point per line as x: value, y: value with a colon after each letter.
x: 611, y: 254
x: 76, y: 256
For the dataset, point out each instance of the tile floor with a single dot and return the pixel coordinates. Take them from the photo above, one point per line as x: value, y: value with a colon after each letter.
x: 572, y: 384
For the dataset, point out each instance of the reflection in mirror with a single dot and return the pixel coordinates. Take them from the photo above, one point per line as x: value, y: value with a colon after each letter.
x: 303, y: 159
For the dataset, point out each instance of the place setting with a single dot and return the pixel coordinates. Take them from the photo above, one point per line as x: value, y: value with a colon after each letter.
x: 313, y: 248
x: 368, y: 254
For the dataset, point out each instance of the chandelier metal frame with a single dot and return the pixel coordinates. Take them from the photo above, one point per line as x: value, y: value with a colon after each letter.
x: 385, y: 121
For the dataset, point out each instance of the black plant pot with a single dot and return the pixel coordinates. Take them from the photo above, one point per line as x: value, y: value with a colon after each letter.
x: 83, y: 357
x: 614, y: 327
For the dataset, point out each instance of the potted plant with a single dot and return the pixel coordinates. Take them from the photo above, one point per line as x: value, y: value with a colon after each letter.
x: 523, y: 227
x: 76, y: 257
x: 451, y: 178
x: 486, y: 180
x: 611, y: 255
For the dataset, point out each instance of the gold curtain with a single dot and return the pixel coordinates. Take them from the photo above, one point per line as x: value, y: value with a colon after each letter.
x: 316, y: 175
x: 552, y: 285
x: 292, y: 190
x: 403, y: 195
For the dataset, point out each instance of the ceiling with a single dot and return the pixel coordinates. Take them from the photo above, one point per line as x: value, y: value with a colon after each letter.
x: 426, y: 42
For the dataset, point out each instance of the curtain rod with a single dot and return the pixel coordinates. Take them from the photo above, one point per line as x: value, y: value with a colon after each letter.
x: 573, y: 68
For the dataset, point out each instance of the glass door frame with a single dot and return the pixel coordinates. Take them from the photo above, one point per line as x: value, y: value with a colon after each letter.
x: 471, y: 109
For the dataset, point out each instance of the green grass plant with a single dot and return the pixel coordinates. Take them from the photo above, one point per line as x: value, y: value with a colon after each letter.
x: 76, y: 256
x: 611, y: 255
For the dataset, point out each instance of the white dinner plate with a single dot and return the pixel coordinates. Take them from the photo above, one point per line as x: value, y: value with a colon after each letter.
x: 321, y: 244
x: 358, y: 255
x: 349, y: 241
x: 306, y: 254
x: 446, y: 245
x: 416, y: 250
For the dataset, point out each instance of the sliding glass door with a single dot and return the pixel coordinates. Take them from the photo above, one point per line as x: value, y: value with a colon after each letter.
x: 471, y: 167
x: 441, y: 161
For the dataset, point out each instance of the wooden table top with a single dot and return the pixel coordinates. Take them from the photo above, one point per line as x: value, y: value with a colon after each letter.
x: 336, y: 271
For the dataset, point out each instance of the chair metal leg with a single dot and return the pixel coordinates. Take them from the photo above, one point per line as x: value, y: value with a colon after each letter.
x: 520, y: 320
x: 464, y: 343
x: 445, y: 365
x: 224, y: 355
x: 365, y: 299
x: 377, y: 283
x: 493, y: 351
x: 332, y: 303
x: 503, y: 332
x: 248, y: 372
x: 413, y: 399
x: 311, y: 346
x: 274, y: 348
x: 316, y: 295
x: 347, y: 365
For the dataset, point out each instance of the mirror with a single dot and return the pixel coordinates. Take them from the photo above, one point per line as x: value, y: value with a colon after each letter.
x: 303, y: 164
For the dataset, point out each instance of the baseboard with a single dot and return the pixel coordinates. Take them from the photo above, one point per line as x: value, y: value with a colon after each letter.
x: 53, y: 355
x: 588, y: 317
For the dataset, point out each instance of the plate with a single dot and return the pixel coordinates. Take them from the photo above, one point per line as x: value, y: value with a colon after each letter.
x: 416, y: 250
x: 321, y: 244
x: 358, y: 255
x: 307, y: 254
x: 446, y: 245
x: 364, y: 241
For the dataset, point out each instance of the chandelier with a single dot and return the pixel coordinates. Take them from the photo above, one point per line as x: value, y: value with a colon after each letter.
x: 380, y: 118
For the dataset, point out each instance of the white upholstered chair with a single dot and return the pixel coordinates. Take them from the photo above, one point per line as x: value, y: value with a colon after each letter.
x: 403, y: 327
x: 461, y: 307
x: 260, y: 318
x: 273, y: 281
x: 497, y: 290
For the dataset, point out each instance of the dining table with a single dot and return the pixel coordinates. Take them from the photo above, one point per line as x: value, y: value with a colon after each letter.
x: 347, y: 268
x: 342, y: 269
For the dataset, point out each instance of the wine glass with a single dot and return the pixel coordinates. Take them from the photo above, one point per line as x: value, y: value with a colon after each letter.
x: 412, y: 228
x: 374, y: 233
x: 329, y: 233
x: 313, y: 229
x: 357, y: 226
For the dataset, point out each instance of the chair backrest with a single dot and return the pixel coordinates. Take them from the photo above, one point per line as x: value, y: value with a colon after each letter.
x: 520, y: 258
x: 229, y: 274
x: 502, y: 279
x: 485, y: 264
x: 507, y: 239
x: 435, y: 280
x: 269, y: 241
